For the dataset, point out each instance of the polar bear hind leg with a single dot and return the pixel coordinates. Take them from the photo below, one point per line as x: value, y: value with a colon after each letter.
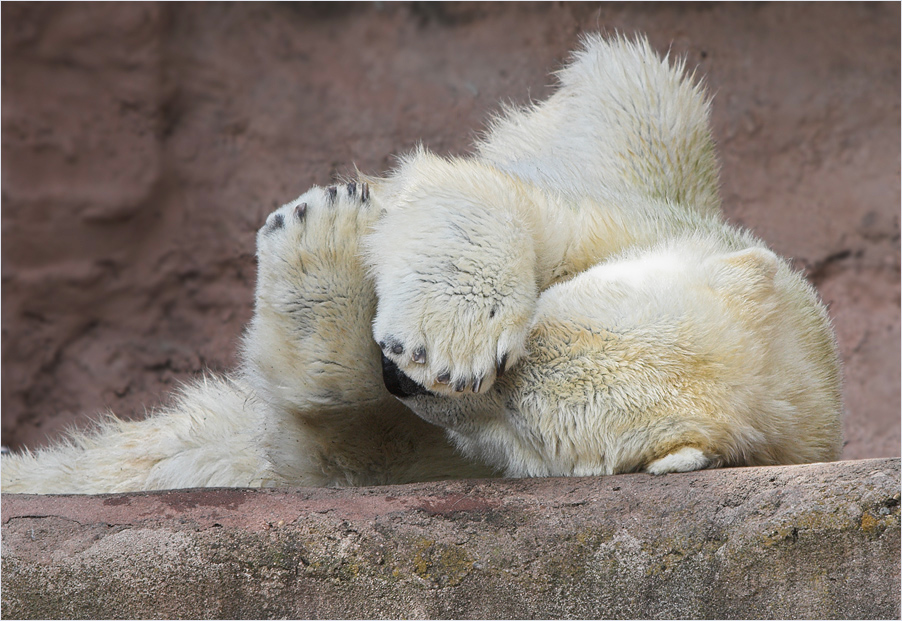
x: 206, y: 438
x: 623, y: 122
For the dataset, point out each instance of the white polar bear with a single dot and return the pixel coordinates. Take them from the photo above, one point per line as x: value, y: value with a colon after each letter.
x: 585, y: 240
x: 567, y: 301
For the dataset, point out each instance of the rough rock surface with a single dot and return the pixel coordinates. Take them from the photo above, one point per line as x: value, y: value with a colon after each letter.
x: 144, y: 143
x: 814, y: 541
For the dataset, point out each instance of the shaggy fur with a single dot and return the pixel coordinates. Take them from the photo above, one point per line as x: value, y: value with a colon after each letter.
x: 662, y: 339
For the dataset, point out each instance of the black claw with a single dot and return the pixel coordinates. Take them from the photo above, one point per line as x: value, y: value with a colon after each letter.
x: 365, y: 193
x: 459, y: 385
x: 300, y: 211
x: 443, y: 378
x: 477, y: 384
x: 502, y: 366
x: 419, y: 355
x: 352, y: 189
x: 390, y: 344
x: 333, y: 193
x: 277, y: 222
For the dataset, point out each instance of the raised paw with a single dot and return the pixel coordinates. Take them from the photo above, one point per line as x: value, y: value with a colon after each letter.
x: 453, y: 310
x: 454, y: 361
x: 311, y: 335
x: 308, y: 254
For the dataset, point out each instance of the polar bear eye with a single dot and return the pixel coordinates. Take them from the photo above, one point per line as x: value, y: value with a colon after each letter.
x: 492, y: 312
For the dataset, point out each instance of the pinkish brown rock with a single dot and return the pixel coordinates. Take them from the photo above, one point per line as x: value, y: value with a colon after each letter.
x: 814, y: 541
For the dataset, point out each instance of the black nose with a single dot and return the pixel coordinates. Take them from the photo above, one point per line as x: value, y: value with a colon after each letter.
x: 397, y: 383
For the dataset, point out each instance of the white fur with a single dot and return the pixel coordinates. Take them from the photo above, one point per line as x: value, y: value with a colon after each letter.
x: 684, y: 460
x: 624, y: 123
x: 208, y: 438
x: 688, y: 333
x: 621, y: 150
x: 687, y: 345
x: 580, y: 250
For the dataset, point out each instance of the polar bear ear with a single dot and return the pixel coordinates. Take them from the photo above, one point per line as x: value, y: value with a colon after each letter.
x: 749, y: 272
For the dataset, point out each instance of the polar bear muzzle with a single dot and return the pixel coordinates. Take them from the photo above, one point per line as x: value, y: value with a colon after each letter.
x: 397, y: 382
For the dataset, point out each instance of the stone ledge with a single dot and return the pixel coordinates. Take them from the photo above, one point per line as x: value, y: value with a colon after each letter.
x: 816, y: 541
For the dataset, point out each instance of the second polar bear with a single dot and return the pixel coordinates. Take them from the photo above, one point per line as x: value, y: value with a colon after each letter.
x: 566, y: 301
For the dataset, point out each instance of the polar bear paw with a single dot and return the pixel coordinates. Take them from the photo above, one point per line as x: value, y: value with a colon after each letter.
x: 448, y: 349
x: 288, y: 218
x: 317, y: 225
x: 308, y: 254
x: 453, y: 311
x: 309, y: 343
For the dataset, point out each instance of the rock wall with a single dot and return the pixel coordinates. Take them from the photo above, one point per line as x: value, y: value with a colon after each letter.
x: 144, y: 143
x: 814, y: 541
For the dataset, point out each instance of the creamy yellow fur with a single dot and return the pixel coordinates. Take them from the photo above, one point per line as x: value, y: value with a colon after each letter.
x: 689, y: 344
x: 631, y: 363
x: 580, y: 251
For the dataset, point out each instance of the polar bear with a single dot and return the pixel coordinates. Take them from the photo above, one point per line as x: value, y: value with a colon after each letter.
x: 565, y: 301
x: 584, y: 240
